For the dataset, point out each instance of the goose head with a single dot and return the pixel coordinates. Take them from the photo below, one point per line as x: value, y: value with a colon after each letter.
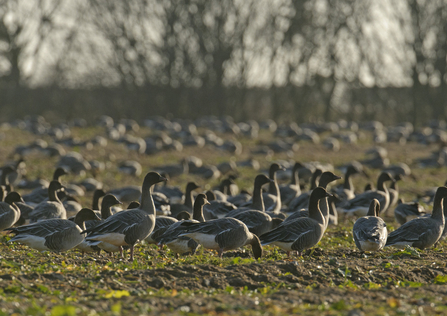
x: 318, y: 194
x: 59, y: 172
x: 262, y: 179
x: 210, y: 196
x: 110, y: 200
x: 326, y: 178
x: 256, y: 247
x: 13, y: 197
x: 190, y: 186
x: 133, y: 204
x: 83, y: 215
x: 198, y: 207
x: 374, y: 208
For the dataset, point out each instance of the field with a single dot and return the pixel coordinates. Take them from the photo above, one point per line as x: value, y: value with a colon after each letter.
x: 332, y: 279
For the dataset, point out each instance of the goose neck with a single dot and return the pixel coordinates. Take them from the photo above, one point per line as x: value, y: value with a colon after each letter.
x: 257, y: 200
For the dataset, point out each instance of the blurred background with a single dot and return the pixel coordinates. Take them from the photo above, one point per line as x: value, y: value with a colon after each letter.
x: 288, y: 60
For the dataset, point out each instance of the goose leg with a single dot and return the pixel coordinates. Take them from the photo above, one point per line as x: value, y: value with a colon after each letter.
x: 131, y: 253
x: 220, y: 253
x: 121, y: 251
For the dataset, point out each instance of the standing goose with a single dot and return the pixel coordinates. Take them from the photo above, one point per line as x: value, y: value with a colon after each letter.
x: 326, y: 178
x: 257, y: 201
x: 272, y: 198
x: 99, y: 193
x: 187, y: 205
x: 302, y: 201
x: 346, y: 192
x: 370, y: 231
x: 359, y: 205
x: 258, y: 222
x: 53, y: 208
x: 132, y: 226
x: 223, y: 234
x: 171, y: 236
x: 302, y: 233
x: 9, y: 212
x: 290, y: 191
x: 422, y: 232
x: 54, y: 234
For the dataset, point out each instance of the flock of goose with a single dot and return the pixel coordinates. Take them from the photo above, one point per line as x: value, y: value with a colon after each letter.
x: 221, y: 219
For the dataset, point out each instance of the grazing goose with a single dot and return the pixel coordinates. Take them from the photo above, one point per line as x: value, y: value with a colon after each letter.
x: 130, y: 227
x: 223, y: 234
x: 290, y: 191
x: 184, y: 245
x: 272, y: 198
x: 370, y: 231
x: 302, y: 201
x: 53, y: 208
x: 9, y: 212
x: 405, y: 212
x: 187, y: 205
x: 54, y: 234
x: 302, y: 233
x: 359, y: 205
x: 422, y: 232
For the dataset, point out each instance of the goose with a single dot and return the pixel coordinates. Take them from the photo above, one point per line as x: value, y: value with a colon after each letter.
x: 127, y: 194
x: 187, y: 204
x: 302, y: 233
x: 184, y: 245
x: 162, y: 223
x: 272, y: 198
x: 359, y: 205
x: 326, y: 178
x: 346, y: 192
x: 257, y: 202
x: 302, y: 201
x: 290, y: 191
x: 9, y: 212
x: 130, y: 227
x: 223, y: 234
x: 421, y: 232
x: 53, y: 208
x: 56, y: 235
x: 405, y: 212
x: 370, y: 232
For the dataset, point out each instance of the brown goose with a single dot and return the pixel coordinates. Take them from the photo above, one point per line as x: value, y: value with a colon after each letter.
x: 9, y: 212
x: 183, y: 245
x: 132, y: 226
x: 54, y: 234
x: 223, y: 234
x: 302, y: 233
x: 370, y: 233
x: 422, y: 232
x: 272, y: 198
x: 290, y: 191
x: 53, y: 208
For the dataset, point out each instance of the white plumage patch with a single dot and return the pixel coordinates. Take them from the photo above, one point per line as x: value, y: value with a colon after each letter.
x: 31, y: 241
x: 286, y: 246
x: 369, y: 245
x: 179, y: 246
x: 206, y: 240
x: 116, y: 239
